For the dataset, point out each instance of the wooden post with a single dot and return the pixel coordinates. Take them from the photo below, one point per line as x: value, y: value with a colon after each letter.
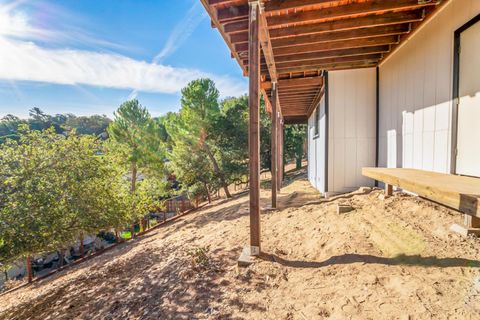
x: 29, y: 269
x: 388, y: 190
x: 82, y: 248
x: 471, y: 222
x: 274, y: 136
x: 254, y: 125
x: 280, y: 154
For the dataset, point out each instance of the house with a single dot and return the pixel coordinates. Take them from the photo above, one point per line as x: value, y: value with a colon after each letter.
x: 393, y: 83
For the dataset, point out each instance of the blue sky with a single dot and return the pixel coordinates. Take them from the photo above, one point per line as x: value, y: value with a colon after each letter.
x: 88, y: 56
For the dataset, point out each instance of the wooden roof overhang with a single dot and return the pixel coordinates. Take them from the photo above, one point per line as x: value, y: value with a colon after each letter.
x: 303, y: 38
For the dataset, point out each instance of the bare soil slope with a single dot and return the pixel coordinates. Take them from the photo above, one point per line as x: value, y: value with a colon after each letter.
x: 387, y: 259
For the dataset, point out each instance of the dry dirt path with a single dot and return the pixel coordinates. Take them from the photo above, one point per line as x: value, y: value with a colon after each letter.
x: 387, y: 259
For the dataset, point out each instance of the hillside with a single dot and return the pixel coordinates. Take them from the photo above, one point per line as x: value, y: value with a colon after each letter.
x: 394, y: 258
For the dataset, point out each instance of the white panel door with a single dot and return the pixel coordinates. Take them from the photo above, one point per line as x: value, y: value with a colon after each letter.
x: 468, y: 138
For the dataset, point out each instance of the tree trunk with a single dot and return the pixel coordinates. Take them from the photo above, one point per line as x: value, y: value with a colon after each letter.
x: 216, y: 168
x: 82, y: 248
x: 29, y: 269
x: 134, y: 177
x: 299, y: 155
x: 60, y: 256
x: 208, y: 193
x: 117, y: 236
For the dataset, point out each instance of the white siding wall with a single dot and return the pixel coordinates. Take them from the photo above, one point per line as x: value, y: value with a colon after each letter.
x: 352, y: 104
x: 316, y: 149
x: 416, y: 94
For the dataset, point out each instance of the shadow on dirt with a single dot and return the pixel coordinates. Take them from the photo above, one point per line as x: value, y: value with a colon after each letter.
x: 404, y: 260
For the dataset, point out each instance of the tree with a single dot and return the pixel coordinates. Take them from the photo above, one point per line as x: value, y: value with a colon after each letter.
x: 294, y: 138
x: 199, y: 111
x: 92, y: 125
x: 230, y: 135
x: 134, y: 131
x: 52, y: 189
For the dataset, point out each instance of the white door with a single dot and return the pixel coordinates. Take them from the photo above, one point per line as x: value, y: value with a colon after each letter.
x: 468, y: 137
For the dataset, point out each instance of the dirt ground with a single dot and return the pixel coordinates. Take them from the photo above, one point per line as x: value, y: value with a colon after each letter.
x: 387, y: 259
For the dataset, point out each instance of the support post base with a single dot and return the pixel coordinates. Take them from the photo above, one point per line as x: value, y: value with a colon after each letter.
x: 247, y: 257
x: 464, y: 231
x: 269, y: 207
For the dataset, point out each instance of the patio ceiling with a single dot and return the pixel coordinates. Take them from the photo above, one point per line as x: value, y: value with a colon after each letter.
x: 302, y: 38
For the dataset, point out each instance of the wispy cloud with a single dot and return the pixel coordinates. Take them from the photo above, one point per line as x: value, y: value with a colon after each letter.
x: 24, y: 59
x: 27, y: 61
x: 182, y: 31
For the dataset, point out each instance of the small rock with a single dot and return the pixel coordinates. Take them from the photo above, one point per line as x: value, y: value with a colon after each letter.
x: 344, y: 208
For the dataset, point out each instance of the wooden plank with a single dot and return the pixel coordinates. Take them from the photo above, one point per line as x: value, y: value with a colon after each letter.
x: 348, y: 10
x: 334, y: 35
x: 458, y: 192
x: 329, y: 67
x: 316, y: 101
x: 354, y: 58
x: 254, y: 126
x: 295, y: 82
x: 345, y: 24
x: 332, y: 54
x: 275, y: 6
x: 337, y: 45
x: 264, y: 37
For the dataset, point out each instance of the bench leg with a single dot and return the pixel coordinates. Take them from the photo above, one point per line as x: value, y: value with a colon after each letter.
x: 388, y: 190
x: 471, y: 225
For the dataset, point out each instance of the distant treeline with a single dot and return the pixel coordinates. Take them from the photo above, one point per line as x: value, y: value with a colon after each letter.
x: 39, y: 120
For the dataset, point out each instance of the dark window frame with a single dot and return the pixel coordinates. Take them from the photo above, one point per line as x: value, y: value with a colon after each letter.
x: 455, y: 90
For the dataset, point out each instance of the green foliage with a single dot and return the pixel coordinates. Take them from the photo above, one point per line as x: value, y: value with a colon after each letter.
x: 52, y: 189
x: 135, y: 135
x: 192, y: 133
x: 294, y: 139
x: 62, y: 123
x: 94, y: 125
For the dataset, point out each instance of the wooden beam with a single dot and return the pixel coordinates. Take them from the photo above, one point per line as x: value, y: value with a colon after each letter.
x: 254, y: 126
x: 333, y: 54
x: 268, y: 104
x: 338, y: 35
x: 233, y: 13
x: 280, y: 154
x: 316, y: 101
x: 264, y: 37
x: 348, y: 10
x: 348, y: 24
x: 274, y: 151
x: 295, y: 82
x: 355, y: 58
x: 214, y: 3
x: 325, y: 64
x: 239, y: 37
x: 330, y: 67
x: 274, y: 6
x: 337, y: 45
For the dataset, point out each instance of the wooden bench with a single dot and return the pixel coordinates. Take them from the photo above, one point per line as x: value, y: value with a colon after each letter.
x: 458, y: 192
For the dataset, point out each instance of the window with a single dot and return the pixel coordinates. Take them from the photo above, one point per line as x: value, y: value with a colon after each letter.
x: 317, y: 122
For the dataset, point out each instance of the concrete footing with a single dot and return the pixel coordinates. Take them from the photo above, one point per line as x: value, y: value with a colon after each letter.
x: 247, y: 257
x: 464, y: 231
